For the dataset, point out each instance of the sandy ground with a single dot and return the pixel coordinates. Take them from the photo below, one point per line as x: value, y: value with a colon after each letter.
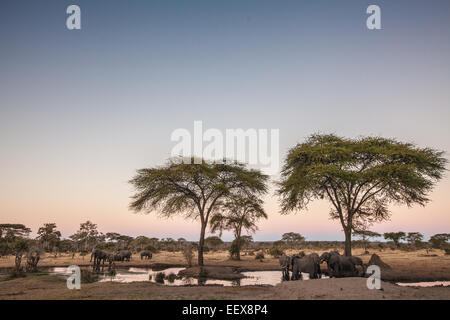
x: 410, y: 266
x: 53, y: 287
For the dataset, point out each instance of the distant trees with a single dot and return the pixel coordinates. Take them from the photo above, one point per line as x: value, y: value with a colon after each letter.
x: 213, y: 242
x: 292, y: 239
x: 48, y: 236
x: 365, y: 236
x: 359, y: 177
x: 414, y: 238
x: 196, y: 189
x: 396, y: 237
x: 13, y: 239
x: 87, y: 236
x: 440, y: 240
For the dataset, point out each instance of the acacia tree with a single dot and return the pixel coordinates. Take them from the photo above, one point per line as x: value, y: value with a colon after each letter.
x: 195, y: 190
x: 365, y: 236
x: 87, y: 236
x: 439, y: 240
x: 359, y: 177
x: 9, y: 232
x: 49, y: 236
x: 239, y: 213
x: 396, y: 237
x: 292, y: 239
x: 414, y: 238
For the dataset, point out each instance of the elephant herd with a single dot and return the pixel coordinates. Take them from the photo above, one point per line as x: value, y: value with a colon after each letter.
x: 337, y: 265
x: 101, y: 256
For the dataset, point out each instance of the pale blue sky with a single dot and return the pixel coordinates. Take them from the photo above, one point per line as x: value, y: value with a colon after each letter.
x: 80, y: 111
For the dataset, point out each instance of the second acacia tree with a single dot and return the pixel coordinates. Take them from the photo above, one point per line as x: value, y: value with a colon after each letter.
x: 239, y: 212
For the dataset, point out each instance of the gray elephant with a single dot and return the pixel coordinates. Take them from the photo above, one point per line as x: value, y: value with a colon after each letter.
x: 316, y: 259
x: 307, y: 264
x: 338, y: 265
x: 125, y: 255
x: 358, y: 262
x: 146, y: 254
x: 99, y: 256
x: 285, y: 263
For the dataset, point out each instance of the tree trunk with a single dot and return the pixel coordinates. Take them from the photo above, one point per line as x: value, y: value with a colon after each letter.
x: 348, y: 242
x: 238, y: 244
x: 201, y: 243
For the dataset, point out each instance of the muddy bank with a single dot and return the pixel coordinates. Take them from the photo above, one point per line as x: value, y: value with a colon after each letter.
x: 51, y: 287
x: 354, y: 289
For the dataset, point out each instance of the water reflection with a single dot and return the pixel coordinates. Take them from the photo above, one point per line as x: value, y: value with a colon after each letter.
x: 133, y: 274
x: 424, y: 284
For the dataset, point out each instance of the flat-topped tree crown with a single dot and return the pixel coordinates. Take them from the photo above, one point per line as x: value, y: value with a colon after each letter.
x: 196, y: 189
x: 360, y: 177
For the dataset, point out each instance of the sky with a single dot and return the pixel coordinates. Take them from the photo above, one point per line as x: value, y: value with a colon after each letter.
x: 81, y: 110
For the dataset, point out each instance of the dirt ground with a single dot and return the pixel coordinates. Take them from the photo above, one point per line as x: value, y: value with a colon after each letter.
x: 407, y: 266
x: 54, y: 288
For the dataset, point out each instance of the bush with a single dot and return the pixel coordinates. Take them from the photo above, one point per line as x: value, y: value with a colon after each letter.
x: 188, y: 254
x: 171, y: 277
x: 151, y: 248
x: 159, y: 277
x: 88, y: 276
x: 233, y: 250
x: 275, y: 252
x: 14, y: 274
x: 203, y: 273
x: 447, y: 251
x: 259, y: 256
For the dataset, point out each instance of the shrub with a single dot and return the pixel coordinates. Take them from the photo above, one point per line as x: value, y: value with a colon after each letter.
x: 447, y: 251
x: 233, y: 250
x: 88, y: 276
x: 188, y: 254
x: 275, y: 252
x: 14, y: 273
x: 259, y: 256
x: 171, y: 277
x: 203, y: 273
x: 159, y: 277
x: 151, y: 248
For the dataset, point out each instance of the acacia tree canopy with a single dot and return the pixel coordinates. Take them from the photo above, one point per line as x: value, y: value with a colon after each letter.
x: 359, y: 177
x: 195, y: 189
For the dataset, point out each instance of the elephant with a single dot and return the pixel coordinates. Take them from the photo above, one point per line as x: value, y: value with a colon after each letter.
x: 99, y: 256
x: 285, y: 263
x: 358, y: 262
x: 307, y: 264
x: 340, y: 265
x: 316, y: 259
x: 125, y: 255
x: 147, y: 254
